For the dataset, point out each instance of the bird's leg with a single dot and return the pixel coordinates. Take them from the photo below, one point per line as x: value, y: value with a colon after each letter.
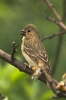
x: 36, y: 74
x: 26, y: 65
x: 33, y: 75
x: 37, y: 70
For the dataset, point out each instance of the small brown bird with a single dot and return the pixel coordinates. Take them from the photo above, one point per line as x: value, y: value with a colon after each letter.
x: 34, y: 51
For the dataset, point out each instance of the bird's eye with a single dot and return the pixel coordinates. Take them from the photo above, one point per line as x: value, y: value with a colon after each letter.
x: 28, y: 30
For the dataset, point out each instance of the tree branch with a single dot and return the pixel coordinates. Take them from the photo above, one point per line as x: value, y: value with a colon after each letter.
x: 14, y: 46
x: 60, y: 40
x: 18, y: 64
x: 2, y: 97
x: 53, y: 35
x: 51, y: 6
x: 50, y: 18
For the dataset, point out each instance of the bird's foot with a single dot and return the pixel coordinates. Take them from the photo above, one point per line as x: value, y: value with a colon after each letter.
x: 26, y: 65
x: 36, y: 74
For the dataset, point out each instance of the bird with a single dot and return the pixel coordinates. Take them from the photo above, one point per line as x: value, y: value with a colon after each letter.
x: 34, y: 51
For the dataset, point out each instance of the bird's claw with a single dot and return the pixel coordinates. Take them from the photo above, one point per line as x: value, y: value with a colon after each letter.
x: 26, y: 65
x: 36, y: 74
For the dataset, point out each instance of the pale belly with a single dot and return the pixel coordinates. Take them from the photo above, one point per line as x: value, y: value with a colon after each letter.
x: 28, y: 59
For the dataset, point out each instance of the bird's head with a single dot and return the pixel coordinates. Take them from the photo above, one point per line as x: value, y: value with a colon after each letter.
x: 30, y: 31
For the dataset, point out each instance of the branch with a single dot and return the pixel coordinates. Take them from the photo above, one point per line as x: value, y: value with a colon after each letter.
x: 18, y: 64
x: 47, y: 78
x: 1, y: 96
x: 14, y: 46
x: 51, y: 6
x: 50, y: 18
x: 53, y: 35
x: 60, y: 40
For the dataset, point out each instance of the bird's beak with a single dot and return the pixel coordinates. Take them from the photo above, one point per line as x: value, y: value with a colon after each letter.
x: 22, y: 32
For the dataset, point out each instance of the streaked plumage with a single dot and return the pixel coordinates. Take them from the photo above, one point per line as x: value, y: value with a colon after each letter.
x: 33, y: 49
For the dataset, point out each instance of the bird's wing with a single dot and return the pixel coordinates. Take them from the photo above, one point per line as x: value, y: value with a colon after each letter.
x: 36, y: 51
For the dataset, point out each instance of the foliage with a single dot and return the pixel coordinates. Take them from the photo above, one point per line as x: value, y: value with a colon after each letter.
x: 14, y: 15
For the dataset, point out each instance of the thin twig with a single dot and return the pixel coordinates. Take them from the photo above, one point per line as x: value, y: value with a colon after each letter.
x: 60, y: 39
x: 53, y: 35
x: 14, y: 46
x: 50, y: 18
x: 51, y: 6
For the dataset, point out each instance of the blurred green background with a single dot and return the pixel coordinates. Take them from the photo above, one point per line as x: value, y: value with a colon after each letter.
x: 14, y: 15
